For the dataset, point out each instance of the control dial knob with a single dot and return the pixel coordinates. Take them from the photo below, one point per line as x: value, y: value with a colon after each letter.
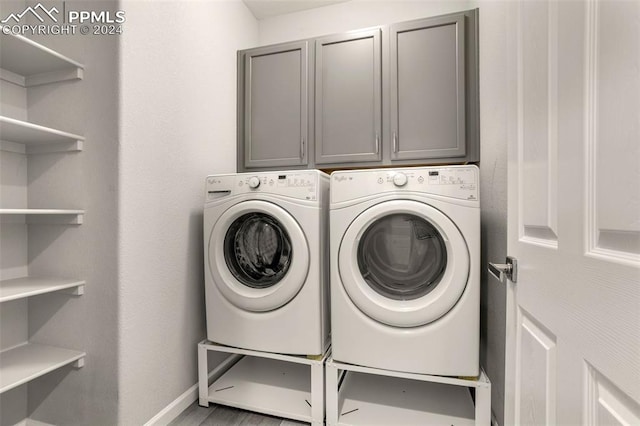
x: 254, y: 182
x: 399, y: 179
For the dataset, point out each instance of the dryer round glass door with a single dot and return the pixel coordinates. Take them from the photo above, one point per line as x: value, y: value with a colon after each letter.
x: 258, y: 256
x: 403, y: 263
x: 402, y: 256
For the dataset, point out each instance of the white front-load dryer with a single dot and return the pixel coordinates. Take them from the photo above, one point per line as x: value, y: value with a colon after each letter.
x: 266, y: 279
x: 405, y: 275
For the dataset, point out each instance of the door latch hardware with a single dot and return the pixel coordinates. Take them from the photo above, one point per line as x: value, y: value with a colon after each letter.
x: 505, y: 270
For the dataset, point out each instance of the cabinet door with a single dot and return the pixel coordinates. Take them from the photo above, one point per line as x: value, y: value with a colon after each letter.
x: 275, y: 105
x: 427, y: 88
x: 348, y: 110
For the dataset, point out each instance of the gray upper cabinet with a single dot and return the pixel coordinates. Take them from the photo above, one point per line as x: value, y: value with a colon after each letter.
x: 275, y: 122
x: 348, y: 105
x: 404, y: 94
x: 427, y: 89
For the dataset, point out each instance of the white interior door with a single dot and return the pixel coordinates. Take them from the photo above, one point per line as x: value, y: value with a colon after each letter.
x: 573, y: 317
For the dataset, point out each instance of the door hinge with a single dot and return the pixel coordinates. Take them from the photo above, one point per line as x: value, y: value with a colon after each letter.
x: 505, y: 270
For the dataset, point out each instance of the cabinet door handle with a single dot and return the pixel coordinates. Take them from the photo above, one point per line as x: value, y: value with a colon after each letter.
x: 302, y: 149
x: 395, y: 142
x: 377, y: 143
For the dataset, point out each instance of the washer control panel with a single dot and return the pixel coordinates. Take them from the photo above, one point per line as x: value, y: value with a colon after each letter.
x: 301, y: 185
x: 459, y: 182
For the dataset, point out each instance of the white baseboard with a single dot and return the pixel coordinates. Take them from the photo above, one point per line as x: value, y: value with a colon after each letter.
x: 173, y: 410
x: 30, y: 422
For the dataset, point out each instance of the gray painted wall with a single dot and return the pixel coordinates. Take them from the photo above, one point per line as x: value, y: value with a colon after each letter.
x: 493, y: 193
x: 493, y: 186
x: 14, y: 319
x: 177, y: 124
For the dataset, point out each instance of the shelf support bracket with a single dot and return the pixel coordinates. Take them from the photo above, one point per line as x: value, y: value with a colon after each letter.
x: 75, y: 291
x: 79, y: 363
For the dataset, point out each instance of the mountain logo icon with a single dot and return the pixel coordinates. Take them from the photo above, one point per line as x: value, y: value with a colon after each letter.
x: 38, y: 11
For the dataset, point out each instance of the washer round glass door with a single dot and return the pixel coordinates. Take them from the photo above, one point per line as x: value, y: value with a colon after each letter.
x: 258, y: 256
x: 403, y: 263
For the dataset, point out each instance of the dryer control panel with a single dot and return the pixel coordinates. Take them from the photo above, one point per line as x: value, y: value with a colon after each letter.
x: 459, y: 182
x: 302, y: 185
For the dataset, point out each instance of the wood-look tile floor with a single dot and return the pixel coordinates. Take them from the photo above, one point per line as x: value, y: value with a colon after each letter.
x: 219, y: 415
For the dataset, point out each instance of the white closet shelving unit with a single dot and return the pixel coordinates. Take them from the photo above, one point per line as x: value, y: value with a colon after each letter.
x: 29, y: 361
x: 28, y: 138
x: 27, y: 64
x: 20, y: 288
x: 52, y: 216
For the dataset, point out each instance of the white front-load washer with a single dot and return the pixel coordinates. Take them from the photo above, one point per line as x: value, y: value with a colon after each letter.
x: 266, y: 279
x: 405, y: 269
